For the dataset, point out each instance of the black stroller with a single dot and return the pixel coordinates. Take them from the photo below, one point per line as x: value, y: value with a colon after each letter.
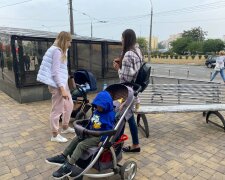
x: 85, y: 82
x: 108, y: 155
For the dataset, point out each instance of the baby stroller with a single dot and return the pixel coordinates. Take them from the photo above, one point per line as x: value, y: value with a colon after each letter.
x: 108, y: 155
x: 85, y: 82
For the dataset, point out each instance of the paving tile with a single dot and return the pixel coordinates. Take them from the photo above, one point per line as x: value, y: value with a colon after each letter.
x: 22, y: 177
x: 32, y: 173
x: 198, y: 178
x: 6, y: 176
x: 204, y: 175
x: 180, y: 146
x: 4, y: 170
x: 12, y: 164
x: 15, y: 172
x: 218, y: 176
x: 192, y: 171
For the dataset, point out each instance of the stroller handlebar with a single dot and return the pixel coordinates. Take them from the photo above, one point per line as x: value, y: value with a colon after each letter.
x: 82, y: 131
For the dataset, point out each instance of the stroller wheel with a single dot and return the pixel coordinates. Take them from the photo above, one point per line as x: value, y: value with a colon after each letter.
x: 128, y: 170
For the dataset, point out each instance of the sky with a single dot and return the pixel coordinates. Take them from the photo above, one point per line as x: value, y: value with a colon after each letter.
x: 111, y: 17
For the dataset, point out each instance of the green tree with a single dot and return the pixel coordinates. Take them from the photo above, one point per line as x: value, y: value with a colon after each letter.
x: 161, y: 46
x: 195, y: 47
x: 143, y: 44
x: 180, y: 45
x: 213, y: 45
x: 195, y: 34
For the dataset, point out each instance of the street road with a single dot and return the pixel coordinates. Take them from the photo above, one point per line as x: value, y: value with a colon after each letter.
x: 184, y: 71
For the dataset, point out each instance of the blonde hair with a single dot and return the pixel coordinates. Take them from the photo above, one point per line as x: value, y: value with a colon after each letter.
x: 61, y: 42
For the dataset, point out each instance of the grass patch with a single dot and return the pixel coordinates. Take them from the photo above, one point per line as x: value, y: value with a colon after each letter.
x: 183, y: 61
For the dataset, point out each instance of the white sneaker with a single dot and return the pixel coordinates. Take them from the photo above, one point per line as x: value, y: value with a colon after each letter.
x: 68, y: 130
x: 58, y: 138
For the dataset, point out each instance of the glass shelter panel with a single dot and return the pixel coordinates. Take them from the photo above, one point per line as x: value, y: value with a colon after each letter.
x: 114, y: 51
x: 6, y: 59
x: 83, y: 56
x: 30, y: 57
x: 96, y: 60
x: 72, y: 60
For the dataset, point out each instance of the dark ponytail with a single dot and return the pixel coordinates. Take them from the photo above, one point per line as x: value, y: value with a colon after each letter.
x: 129, y: 41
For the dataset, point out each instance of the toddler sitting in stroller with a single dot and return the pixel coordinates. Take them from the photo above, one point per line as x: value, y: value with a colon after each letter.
x: 103, y: 119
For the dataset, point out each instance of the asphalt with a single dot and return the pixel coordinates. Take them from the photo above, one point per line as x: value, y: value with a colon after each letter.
x: 180, y: 146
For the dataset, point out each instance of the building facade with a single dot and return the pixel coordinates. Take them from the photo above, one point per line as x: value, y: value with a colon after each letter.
x: 154, y: 43
x: 171, y: 38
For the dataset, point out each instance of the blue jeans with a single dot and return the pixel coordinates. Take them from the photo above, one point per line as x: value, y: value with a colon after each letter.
x: 133, y: 130
x: 221, y: 74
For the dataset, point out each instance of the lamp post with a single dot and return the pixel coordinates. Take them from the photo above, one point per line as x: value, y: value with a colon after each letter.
x: 71, y: 17
x: 98, y: 21
x: 91, y: 29
x: 150, y: 34
x: 91, y: 18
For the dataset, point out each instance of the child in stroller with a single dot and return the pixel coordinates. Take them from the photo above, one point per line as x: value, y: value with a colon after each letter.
x: 102, y: 120
x: 105, y: 155
x: 85, y: 82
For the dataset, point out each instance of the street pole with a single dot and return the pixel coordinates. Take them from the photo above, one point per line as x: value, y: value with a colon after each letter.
x: 150, y: 35
x: 71, y: 17
x: 92, y: 18
x: 91, y: 30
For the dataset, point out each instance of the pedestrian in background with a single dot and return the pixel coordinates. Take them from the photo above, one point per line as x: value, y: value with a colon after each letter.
x: 27, y: 62
x: 219, y: 68
x: 54, y: 72
x: 128, y: 66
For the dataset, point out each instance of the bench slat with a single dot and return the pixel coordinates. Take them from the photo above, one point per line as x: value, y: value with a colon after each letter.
x: 164, y: 94
x: 175, y: 98
x: 181, y: 108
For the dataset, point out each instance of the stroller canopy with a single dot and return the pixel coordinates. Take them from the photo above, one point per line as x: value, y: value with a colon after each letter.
x: 83, y: 76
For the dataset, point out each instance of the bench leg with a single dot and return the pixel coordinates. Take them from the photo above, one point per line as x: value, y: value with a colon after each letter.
x: 219, y: 116
x: 144, y: 128
x: 204, y: 113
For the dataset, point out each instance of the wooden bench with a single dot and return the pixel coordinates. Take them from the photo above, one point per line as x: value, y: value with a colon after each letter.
x: 208, y: 98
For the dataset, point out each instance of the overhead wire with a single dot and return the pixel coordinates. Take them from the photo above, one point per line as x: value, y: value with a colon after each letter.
x: 130, y: 19
x: 8, y: 5
x: 190, y: 9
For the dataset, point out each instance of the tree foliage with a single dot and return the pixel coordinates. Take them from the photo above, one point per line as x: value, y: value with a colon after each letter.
x: 193, y: 41
x: 195, y: 47
x: 213, y: 45
x: 161, y: 46
x: 180, y: 45
x: 195, y: 34
x: 143, y: 44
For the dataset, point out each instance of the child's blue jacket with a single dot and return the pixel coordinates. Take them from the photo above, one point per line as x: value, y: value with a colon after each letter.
x: 102, y: 121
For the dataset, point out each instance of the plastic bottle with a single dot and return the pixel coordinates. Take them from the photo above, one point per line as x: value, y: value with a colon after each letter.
x: 87, y: 86
x: 104, y: 86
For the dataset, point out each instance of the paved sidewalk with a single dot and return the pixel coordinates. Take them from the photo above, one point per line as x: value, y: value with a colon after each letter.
x: 181, y: 146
